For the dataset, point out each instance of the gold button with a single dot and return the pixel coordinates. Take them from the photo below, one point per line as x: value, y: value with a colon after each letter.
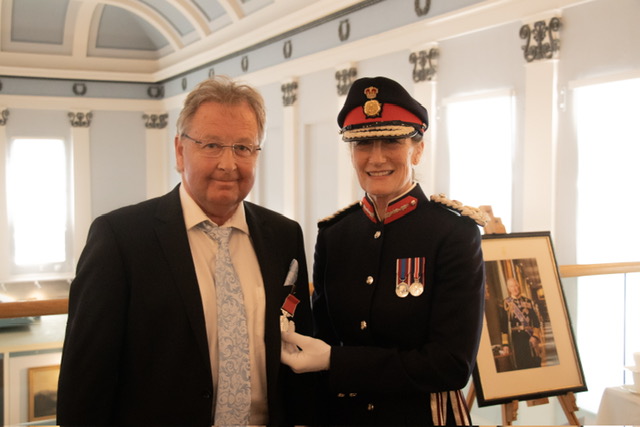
x: 377, y: 235
x: 363, y: 325
x: 414, y: 202
x: 369, y: 280
x: 340, y: 394
x: 353, y: 394
x: 370, y: 407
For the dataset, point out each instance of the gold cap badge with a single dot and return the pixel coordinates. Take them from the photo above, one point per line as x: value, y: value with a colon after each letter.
x: 372, y: 107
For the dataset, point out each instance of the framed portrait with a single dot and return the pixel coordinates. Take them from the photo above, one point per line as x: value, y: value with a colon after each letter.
x: 43, y: 390
x: 527, y: 348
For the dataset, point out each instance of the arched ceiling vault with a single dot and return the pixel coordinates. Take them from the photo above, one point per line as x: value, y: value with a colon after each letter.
x: 139, y: 40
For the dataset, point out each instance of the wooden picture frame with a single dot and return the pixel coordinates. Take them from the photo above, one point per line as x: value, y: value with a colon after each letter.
x: 527, y: 348
x: 2, y: 420
x: 43, y: 389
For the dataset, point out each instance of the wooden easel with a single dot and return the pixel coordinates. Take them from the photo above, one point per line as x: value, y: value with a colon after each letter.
x: 510, y: 410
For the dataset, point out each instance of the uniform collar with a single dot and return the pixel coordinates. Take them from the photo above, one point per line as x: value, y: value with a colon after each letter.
x: 397, y: 208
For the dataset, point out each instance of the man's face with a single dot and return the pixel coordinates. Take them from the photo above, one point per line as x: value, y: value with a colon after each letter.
x: 513, y: 287
x: 218, y: 184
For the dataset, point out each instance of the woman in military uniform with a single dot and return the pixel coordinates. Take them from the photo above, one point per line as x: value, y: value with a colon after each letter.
x: 399, y: 280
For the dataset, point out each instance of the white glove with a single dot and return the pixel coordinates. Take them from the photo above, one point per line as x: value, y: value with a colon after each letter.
x: 304, y: 354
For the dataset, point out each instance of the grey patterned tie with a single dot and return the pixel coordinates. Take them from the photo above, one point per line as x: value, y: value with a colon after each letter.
x: 233, y: 399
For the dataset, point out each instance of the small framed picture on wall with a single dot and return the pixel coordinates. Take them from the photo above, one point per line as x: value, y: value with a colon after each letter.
x: 43, y: 390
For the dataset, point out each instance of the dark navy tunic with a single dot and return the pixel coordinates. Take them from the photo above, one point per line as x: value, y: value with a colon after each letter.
x: 389, y: 352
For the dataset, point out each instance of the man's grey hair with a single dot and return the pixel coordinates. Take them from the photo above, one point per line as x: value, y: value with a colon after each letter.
x: 226, y: 91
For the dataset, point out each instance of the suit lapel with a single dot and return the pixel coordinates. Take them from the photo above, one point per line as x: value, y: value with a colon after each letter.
x: 265, y: 239
x: 174, y: 242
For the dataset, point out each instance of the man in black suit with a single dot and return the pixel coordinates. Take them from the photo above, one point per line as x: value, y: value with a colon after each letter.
x: 141, y: 345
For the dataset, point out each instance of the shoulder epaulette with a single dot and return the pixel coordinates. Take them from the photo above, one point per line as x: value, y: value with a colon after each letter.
x: 473, y: 213
x: 338, y: 215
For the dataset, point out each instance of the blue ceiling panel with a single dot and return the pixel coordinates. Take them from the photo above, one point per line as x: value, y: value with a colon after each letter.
x: 171, y: 14
x: 211, y: 9
x: 38, y: 21
x: 121, y: 29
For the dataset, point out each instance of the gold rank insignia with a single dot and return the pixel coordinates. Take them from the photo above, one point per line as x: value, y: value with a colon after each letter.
x: 479, y: 216
x: 372, y: 107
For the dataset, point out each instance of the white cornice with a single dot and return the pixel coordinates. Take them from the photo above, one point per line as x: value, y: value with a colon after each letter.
x: 247, y: 32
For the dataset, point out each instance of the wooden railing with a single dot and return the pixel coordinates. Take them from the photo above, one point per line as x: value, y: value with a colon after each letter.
x: 9, y: 310
x: 34, y: 298
x: 598, y: 269
x: 61, y: 306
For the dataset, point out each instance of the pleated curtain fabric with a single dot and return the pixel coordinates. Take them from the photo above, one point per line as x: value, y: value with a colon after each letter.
x: 233, y: 399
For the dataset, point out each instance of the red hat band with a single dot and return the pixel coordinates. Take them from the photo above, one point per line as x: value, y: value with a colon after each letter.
x: 389, y: 113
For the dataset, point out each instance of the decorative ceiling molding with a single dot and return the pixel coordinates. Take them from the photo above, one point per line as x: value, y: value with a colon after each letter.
x: 155, y: 121
x: 80, y: 119
x: 542, y: 40
x: 344, y: 30
x: 155, y: 91
x: 289, y: 93
x: 345, y: 79
x: 4, y: 116
x: 79, y: 89
x: 259, y: 32
x: 425, y: 63
x: 422, y: 7
x: 82, y: 29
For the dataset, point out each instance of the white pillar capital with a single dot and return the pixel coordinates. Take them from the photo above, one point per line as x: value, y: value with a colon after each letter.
x: 541, y: 36
x: 425, y: 62
x: 80, y: 118
x: 155, y: 120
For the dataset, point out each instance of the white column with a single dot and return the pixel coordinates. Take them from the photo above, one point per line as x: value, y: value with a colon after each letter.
x: 157, y: 151
x: 348, y: 187
x: 540, y: 141
x: 4, y: 220
x: 291, y: 170
x: 425, y: 93
x: 81, y: 161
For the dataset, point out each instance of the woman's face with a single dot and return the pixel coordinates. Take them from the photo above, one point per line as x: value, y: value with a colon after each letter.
x: 384, y: 166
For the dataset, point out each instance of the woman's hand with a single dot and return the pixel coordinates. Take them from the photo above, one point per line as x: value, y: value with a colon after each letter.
x: 304, y: 354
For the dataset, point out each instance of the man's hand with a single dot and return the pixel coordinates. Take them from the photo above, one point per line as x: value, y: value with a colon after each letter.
x: 304, y: 354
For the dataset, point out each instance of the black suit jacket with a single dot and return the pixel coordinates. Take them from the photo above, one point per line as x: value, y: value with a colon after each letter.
x: 136, y: 349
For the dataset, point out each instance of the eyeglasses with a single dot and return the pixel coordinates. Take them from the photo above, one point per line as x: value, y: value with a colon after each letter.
x: 213, y: 149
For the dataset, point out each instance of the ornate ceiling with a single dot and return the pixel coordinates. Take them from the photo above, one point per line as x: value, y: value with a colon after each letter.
x: 145, y: 40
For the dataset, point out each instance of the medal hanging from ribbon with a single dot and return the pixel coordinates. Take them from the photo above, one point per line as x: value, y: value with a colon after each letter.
x: 417, y: 287
x: 288, y: 308
x: 410, y: 270
x: 402, y: 277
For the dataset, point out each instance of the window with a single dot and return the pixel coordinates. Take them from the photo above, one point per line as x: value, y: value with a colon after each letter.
x: 480, y: 132
x: 38, y: 207
x: 608, y: 325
